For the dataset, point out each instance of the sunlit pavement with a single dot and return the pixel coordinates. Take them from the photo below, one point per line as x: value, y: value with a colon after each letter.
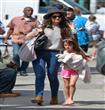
x: 87, y: 97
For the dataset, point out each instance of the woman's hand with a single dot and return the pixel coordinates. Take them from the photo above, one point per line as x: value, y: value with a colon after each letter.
x: 87, y: 57
x: 33, y: 33
x: 39, y: 30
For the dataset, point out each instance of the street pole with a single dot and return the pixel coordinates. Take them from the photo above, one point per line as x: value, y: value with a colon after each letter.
x: 93, y: 4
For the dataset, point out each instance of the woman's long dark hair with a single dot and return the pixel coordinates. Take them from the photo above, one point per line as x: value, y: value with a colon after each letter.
x: 65, y: 29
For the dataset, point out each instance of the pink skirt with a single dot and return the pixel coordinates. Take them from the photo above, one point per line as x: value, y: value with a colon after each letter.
x: 67, y: 73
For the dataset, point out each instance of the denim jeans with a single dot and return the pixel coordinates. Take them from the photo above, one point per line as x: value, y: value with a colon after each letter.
x: 16, y: 58
x: 7, y: 79
x: 46, y: 62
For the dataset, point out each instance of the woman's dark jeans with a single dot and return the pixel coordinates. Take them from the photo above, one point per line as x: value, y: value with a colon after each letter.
x: 46, y: 62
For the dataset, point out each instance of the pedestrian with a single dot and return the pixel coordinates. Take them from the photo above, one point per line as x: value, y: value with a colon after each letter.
x: 54, y: 22
x: 100, y: 58
x: 72, y: 64
x: 82, y: 35
x: 7, y: 81
x: 70, y: 16
x: 101, y: 9
x: 93, y: 31
x: 56, y: 29
x: 19, y: 27
x: 7, y: 75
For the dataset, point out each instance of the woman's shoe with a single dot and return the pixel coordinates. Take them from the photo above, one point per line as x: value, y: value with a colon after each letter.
x: 38, y: 100
x: 54, y: 101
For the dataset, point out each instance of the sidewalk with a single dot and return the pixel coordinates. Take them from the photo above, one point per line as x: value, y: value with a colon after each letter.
x: 88, y: 96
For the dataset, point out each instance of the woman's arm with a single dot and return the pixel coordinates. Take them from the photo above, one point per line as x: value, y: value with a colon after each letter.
x: 84, y: 55
x: 33, y: 33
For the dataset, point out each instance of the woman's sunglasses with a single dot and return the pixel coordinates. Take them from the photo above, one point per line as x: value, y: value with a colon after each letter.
x: 54, y: 17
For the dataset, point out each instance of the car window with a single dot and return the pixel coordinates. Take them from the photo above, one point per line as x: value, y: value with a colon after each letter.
x: 45, y: 5
x: 73, y: 4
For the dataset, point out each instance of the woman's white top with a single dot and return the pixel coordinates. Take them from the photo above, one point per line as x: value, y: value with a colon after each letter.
x: 54, y: 38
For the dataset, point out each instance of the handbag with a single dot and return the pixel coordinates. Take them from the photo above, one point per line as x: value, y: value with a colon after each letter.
x: 6, y: 57
x: 40, y: 41
x: 27, y: 52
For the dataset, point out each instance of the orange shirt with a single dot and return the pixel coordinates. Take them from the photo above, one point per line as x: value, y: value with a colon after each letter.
x: 21, y: 26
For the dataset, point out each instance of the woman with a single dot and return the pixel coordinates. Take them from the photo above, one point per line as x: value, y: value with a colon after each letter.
x: 56, y: 29
x: 53, y: 24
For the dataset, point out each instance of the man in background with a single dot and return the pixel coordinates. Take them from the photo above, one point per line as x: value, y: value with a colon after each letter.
x: 19, y: 27
x: 79, y: 25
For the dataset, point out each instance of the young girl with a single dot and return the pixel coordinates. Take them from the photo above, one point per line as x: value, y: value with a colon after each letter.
x: 73, y: 64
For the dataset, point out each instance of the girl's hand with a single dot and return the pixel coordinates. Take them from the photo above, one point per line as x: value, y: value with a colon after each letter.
x: 88, y: 57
